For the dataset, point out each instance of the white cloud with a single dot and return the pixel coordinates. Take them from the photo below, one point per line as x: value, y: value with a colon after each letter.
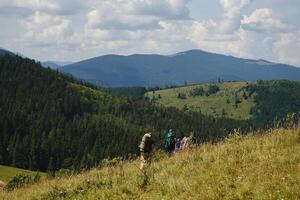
x: 167, y: 9
x: 287, y: 48
x: 105, y: 19
x: 232, y: 15
x: 263, y: 20
x: 233, y: 7
x: 57, y: 7
x: 135, y: 15
x: 44, y: 30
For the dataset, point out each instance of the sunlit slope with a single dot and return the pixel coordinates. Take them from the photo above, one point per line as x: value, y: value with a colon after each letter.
x: 254, y: 167
x: 6, y: 173
x: 230, y: 101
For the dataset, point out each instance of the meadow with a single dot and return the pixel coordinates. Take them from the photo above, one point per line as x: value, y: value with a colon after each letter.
x: 261, y: 165
x: 229, y: 101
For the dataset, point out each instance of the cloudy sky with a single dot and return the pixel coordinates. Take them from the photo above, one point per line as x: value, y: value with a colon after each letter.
x: 71, y: 30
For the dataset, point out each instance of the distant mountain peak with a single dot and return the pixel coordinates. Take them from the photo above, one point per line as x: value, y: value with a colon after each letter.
x: 192, y: 66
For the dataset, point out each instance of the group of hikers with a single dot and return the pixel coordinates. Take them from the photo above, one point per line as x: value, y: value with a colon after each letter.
x: 172, y: 145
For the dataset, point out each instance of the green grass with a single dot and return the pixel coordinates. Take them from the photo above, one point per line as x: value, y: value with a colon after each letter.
x: 214, y: 105
x: 6, y: 173
x: 257, y: 166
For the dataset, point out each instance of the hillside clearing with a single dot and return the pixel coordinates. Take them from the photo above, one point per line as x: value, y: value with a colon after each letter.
x: 251, y: 167
x: 229, y: 101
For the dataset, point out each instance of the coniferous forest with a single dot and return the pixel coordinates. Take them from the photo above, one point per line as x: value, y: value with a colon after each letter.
x: 51, y: 121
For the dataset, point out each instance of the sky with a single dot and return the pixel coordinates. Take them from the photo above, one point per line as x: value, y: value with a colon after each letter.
x: 72, y: 30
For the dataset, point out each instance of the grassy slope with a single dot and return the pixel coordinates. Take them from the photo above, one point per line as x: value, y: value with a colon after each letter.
x: 211, y: 105
x: 6, y: 173
x: 253, y: 167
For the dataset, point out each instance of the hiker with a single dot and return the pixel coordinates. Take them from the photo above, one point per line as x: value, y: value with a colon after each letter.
x: 177, y: 145
x: 2, y: 184
x: 145, y: 149
x: 184, y: 144
x: 170, y: 142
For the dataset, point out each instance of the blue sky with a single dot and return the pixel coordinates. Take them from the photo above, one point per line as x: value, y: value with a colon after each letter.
x: 71, y: 30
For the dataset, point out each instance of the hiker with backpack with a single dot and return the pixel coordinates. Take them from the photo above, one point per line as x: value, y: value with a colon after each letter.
x: 184, y: 143
x: 2, y: 184
x: 145, y: 150
x: 177, y: 145
x: 170, y: 142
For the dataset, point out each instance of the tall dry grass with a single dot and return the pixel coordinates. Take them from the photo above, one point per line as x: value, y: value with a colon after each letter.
x: 257, y: 166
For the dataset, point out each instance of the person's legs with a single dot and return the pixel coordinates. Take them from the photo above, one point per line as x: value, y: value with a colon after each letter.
x: 143, y: 160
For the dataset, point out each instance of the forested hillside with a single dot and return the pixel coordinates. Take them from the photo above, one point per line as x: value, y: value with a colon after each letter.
x: 50, y: 121
x: 275, y: 100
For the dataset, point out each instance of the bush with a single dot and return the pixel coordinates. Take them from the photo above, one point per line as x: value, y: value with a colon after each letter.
x: 212, y: 89
x: 199, y: 91
x: 291, y: 120
x: 21, y: 180
x: 181, y: 96
x: 237, y: 102
x: 113, y: 162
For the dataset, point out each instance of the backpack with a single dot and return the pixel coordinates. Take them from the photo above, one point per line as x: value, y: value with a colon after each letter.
x: 146, y: 144
x: 169, y: 143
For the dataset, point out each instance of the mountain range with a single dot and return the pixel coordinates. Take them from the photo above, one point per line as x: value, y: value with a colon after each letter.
x: 55, y: 64
x: 194, y: 66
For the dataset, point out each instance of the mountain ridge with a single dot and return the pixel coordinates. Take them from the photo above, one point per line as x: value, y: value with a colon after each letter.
x: 55, y: 64
x: 193, y: 66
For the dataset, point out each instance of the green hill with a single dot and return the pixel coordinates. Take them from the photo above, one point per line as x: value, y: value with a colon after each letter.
x: 262, y: 101
x: 6, y: 172
x: 222, y: 103
x: 252, y: 167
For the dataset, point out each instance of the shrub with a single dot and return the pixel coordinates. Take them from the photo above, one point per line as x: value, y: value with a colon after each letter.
x: 199, y: 91
x: 181, y: 96
x: 291, y: 120
x: 113, y: 162
x: 212, y: 89
x: 21, y: 180
x: 237, y: 102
